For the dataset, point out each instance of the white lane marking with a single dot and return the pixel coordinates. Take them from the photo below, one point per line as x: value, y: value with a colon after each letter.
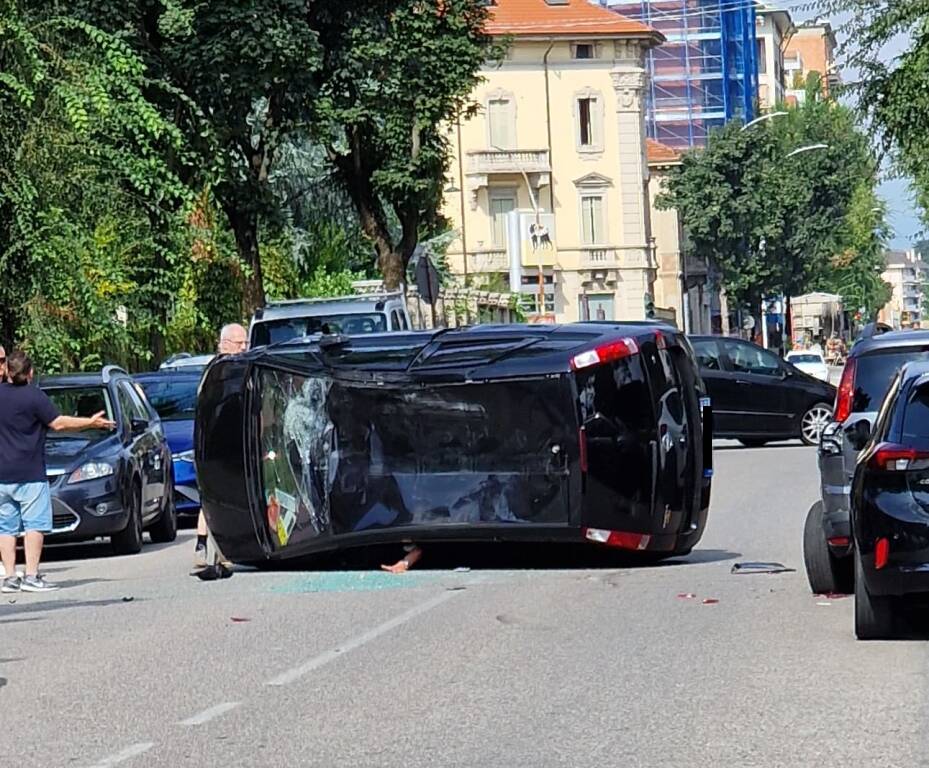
x: 208, y: 714
x: 350, y: 645
x: 121, y: 757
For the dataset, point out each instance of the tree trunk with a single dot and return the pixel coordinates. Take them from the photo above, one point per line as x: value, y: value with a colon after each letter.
x: 245, y: 229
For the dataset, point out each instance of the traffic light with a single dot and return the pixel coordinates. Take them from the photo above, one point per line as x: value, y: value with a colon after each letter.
x: 649, y: 306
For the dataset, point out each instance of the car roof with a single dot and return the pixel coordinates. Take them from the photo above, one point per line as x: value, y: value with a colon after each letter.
x: 88, y: 379
x: 891, y: 340
x: 339, y: 305
x: 168, y: 373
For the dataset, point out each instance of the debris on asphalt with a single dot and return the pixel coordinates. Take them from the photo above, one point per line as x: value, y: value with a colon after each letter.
x: 238, y: 619
x: 686, y: 596
x: 128, y: 598
x: 824, y: 604
x: 757, y: 567
x: 710, y: 600
x: 462, y: 569
x: 832, y: 595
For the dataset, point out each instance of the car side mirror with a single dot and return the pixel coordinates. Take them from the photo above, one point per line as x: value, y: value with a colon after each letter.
x: 858, y: 434
x: 138, y: 426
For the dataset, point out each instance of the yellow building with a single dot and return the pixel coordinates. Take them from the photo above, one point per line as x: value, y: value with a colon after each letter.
x: 550, y: 177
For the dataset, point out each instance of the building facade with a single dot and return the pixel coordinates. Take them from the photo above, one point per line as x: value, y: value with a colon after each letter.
x: 811, y: 48
x: 705, y: 73
x: 549, y: 179
x: 773, y: 31
x: 907, y: 274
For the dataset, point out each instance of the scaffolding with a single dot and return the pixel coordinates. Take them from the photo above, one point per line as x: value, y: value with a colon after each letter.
x: 707, y: 71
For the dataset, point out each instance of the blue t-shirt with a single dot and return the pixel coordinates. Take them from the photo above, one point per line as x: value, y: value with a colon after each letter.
x: 25, y: 413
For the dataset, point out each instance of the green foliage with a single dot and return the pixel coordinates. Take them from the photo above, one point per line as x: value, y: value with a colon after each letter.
x: 772, y: 219
x: 325, y: 283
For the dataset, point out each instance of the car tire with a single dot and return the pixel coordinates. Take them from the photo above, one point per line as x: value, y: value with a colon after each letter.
x: 813, y: 423
x: 874, y: 614
x: 164, y: 530
x: 825, y: 572
x: 129, y: 540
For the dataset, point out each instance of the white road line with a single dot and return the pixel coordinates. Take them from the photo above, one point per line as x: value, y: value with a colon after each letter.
x: 350, y: 645
x: 208, y: 714
x: 121, y: 757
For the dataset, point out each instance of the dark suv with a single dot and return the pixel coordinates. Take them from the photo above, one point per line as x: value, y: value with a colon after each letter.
x: 890, y: 507
x: 109, y: 483
x: 589, y: 432
x: 872, y: 364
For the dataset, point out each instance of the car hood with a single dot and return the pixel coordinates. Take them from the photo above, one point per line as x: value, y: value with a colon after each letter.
x: 65, y: 452
x: 180, y: 435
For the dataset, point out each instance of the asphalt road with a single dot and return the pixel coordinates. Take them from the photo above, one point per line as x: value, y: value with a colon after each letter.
x: 530, y: 658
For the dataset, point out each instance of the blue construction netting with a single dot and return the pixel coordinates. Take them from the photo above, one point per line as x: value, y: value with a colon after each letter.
x: 707, y: 71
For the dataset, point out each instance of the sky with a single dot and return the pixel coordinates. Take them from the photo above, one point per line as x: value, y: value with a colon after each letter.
x: 904, y: 219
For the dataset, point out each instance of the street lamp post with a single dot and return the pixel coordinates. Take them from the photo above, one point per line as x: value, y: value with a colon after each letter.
x: 768, y: 116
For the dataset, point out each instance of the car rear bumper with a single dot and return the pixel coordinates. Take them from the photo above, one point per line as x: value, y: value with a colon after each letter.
x: 906, y: 529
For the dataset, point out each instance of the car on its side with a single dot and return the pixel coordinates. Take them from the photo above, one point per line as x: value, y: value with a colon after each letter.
x: 281, y: 321
x: 587, y: 432
x: 757, y: 397
x: 875, y: 359
x: 811, y: 363
x: 890, y: 507
x: 173, y: 394
x: 114, y: 483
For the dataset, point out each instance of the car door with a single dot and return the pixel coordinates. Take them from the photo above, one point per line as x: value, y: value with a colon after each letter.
x: 720, y: 384
x: 760, y: 403
x: 145, y: 448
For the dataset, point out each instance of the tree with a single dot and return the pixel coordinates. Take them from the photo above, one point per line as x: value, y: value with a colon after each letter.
x: 240, y: 75
x: 393, y: 73
x: 769, y: 217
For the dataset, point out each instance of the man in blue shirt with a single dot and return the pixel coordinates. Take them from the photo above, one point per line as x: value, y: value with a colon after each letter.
x: 26, y: 415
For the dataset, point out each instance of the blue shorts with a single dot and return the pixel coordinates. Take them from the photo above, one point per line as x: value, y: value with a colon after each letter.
x: 25, y: 507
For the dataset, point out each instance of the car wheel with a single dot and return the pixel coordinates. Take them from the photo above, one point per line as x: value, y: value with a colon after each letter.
x: 164, y: 530
x: 814, y: 421
x: 129, y: 540
x: 753, y: 443
x: 874, y: 616
x: 825, y: 572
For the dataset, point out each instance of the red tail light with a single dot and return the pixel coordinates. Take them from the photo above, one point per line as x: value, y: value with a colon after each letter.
x: 898, y: 458
x: 606, y: 353
x: 582, y: 443
x: 843, y: 398
x: 620, y: 539
x: 881, y: 553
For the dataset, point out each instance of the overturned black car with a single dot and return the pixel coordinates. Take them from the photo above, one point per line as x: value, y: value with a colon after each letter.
x: 595, y: 432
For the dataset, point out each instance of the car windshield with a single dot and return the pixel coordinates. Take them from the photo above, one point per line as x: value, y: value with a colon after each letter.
x: 804, y: 358
x: 79, y: 401
x: 353, y: 324
x: 875, y: 371
x: 175, y: 399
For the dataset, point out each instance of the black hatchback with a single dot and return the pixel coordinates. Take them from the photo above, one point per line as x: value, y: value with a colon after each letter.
x: 890, y: 506
x: 589, y: 432
x: 109, y: 483
x: 757, y: 397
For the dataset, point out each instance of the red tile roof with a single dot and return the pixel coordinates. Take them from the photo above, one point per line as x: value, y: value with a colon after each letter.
x: 661, y: 154
x: 575, y: 17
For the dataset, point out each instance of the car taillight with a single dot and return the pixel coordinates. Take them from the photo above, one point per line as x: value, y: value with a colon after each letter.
x: 898, y: 458
x: 843, y: 398
x: 620, y: 539
x: 606, y: 353
x: 881, y: 553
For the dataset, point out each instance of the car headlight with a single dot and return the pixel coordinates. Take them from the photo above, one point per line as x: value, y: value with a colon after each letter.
x: 185, y: 456
x: 92, y: 470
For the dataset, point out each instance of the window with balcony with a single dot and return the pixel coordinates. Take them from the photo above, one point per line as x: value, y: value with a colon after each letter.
x: 502, y: 201
x: 501, y: 119
x: 588, y: 111
x: 593, y: 229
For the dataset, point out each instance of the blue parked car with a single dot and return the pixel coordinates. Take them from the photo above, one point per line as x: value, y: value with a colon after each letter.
x: 173, y: 393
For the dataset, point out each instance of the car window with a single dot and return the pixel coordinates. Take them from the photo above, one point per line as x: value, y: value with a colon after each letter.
x: 747, y: 358
x: 80, y: 401
x: 804, y: 358
x: 395, y: 324
x: 131, y: 403
x: 277, y: 331
x: 916, y: 417
x: 707, y: 354
x: 875, y: 371
x: 174, y: 399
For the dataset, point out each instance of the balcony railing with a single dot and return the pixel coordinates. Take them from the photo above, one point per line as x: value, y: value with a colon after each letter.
x: 598, y: 258
x: 509, y: 161
x: 488, y: 261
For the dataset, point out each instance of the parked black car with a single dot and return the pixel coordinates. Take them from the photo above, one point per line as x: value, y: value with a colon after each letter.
x: 872, y: 364
x: 585, y: 432
x: 758, y: 397
x: 890, y: 507
x: 109, y: 483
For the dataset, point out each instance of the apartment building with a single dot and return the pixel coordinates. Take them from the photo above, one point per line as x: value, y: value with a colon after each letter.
x: 773, y: 31
x: 811, y: 48
x: 549, y: 187
x: 907, y: 274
